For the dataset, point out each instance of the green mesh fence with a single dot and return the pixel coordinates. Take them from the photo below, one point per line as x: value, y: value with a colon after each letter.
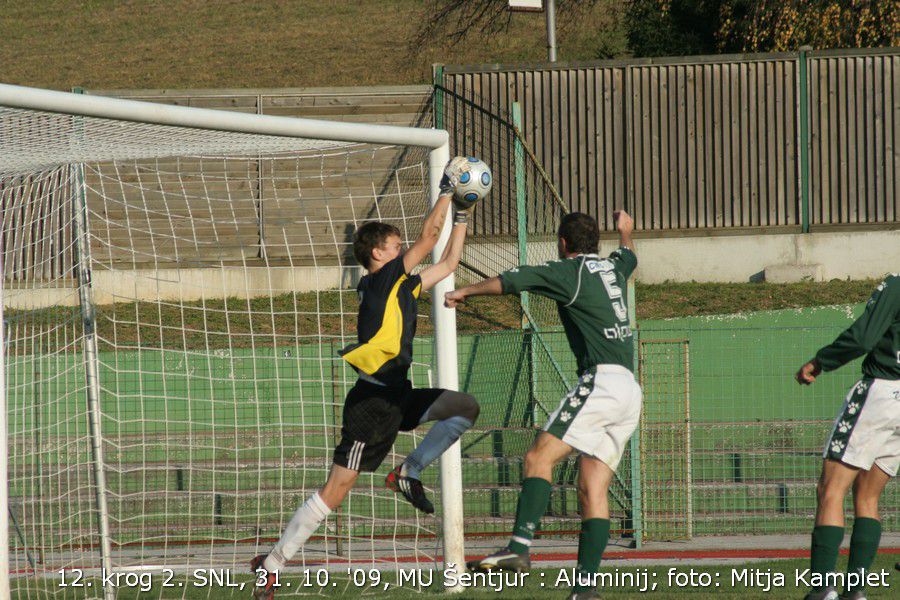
x: 752, y: 454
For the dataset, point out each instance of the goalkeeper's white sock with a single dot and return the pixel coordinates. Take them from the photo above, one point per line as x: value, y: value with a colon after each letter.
x: 439, y: 438
x: 303, y: 524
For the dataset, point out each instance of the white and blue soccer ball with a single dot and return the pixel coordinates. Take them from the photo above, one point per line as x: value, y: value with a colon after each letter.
x: 475, y: 184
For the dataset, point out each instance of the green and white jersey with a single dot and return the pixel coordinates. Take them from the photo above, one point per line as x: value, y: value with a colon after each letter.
x: 876, y: 333
x: 590, y: 296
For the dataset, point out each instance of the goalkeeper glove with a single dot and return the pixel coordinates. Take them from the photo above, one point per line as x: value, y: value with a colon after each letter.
x: 456, y: 167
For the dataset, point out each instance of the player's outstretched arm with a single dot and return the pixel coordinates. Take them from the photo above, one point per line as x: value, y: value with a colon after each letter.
x: 452, y: 253
x: 861, y: 337
x: 486, y: 287
x: 434, y: 222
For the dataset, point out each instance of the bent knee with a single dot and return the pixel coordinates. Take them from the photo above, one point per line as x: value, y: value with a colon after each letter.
x: 470, y: 408
x: 533, y: 459
x: 454, y: 404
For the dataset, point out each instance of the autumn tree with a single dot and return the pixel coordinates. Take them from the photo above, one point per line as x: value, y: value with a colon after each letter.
x: 675, y: 27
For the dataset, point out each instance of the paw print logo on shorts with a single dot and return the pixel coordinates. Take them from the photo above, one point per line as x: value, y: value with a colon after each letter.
x: 583, y: 390
x: 565, y: 417
x: 585, y: 378
x: 530, y: 526
x: 574, y: 402
x: 852, y: 408
x: 837, y: 446
x: 844, y: 426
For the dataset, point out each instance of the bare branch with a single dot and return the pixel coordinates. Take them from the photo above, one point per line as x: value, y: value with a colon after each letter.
x: 453, y: 20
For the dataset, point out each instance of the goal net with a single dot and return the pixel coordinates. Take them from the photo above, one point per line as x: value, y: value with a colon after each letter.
x: 173, y: 300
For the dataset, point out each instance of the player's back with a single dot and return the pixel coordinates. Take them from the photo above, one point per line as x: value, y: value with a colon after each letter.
x: 590, y: 294
x: 596, y: 318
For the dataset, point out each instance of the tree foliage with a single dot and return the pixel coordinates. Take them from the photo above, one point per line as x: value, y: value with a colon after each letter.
x: 779, y: 25
x: 675, y: 27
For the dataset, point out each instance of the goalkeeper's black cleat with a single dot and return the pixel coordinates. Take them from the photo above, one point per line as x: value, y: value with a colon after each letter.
x: 501, y: 560
x: 410, y: 488
x: 854, y: 595
x: 260, y: 591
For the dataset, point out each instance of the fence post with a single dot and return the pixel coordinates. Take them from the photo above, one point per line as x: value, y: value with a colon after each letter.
x: 803, y: 146
x: 438, y: 97
x: 522, y: 238
x: 91, y: 364
x: 637, y: 505
x: 92, y: 371
x: 4, y: 456
x: 521, y: 215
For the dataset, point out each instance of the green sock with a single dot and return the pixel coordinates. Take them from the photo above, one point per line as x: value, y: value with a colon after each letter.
x: 591, y: 543
x: 532, y: 505
x: 863, y: 546
x: 826, y: 543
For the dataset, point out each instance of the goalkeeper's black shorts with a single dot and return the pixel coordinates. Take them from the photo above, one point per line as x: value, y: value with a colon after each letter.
x: 373, y: 416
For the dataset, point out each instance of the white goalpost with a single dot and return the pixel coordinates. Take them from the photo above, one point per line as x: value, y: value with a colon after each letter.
x: 174, y: 286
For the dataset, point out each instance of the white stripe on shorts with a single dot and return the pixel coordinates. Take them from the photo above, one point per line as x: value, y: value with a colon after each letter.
x: 355, y: 456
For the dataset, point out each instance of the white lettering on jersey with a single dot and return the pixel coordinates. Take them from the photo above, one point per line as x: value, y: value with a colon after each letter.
x: 619, y: 332
x: 599, y: 265
x: 606, y: 270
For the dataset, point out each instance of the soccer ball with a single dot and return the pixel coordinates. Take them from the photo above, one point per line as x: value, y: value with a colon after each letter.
x: 474, y: 184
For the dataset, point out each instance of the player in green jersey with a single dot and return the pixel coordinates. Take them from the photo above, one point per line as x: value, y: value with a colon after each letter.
x: 602, y: 410
x: 863, y: 450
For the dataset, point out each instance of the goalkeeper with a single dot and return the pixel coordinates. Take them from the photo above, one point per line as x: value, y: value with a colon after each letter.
x: 863, y: 450
x: 602, y: 410
x: 382, y: 402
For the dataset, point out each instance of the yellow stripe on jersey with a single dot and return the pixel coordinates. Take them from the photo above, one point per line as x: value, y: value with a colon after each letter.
x: 385, y: 344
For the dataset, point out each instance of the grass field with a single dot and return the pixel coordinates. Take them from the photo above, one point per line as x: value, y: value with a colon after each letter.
x: 659, y: 301
x: 538, y: 585
x: 235, y: 44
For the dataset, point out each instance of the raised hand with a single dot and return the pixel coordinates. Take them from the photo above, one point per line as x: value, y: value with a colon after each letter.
x: 456, y: 167
x: 624, y: 222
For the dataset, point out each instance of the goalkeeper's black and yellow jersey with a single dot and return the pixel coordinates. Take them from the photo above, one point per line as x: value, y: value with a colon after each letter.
x: 590, y: 295
x: 386, y: 325
x: 876, y: 333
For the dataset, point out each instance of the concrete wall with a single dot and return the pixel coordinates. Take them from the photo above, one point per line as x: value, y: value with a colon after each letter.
x: 731, y: 258
x: 189, y: 285
x: 739, y: 258
x: 728, y: 258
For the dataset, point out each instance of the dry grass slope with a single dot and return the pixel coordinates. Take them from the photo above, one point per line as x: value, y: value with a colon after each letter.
x: 107, y: 44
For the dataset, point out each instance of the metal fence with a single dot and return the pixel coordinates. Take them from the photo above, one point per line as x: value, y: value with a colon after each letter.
x: 762, y: 140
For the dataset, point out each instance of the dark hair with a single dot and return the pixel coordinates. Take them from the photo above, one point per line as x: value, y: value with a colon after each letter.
x: 370, y: 236
x: 581, y: 232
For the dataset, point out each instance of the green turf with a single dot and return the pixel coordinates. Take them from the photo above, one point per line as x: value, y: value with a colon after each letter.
x: 669, y: 579
x: 673, y: 299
